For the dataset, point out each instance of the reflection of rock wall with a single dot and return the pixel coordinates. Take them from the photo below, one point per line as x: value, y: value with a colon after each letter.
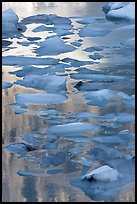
x: 15, y: 125
x: 11, y: 185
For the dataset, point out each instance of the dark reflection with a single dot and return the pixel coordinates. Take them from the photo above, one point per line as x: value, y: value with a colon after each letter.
x: 29, y: 189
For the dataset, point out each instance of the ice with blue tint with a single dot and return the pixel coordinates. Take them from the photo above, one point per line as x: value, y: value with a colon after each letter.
x: 72, y: 128
x: 51, y: 160
x: 96, y: 56
x: 42, y: 28
x: 90, y: 20
x: 62, y: 32
x: 30, y: 70
x: 19, y: 111
x: 76, y: 63
x: 19, y: 148
x: 95, y: 48
x: 6, y: 85
x: 21, y: 61
x: 98, y: 77
x: 119, y: 117
x: 51, y: 83
x: 40, y: 98
x: 90, y: 31
x: 53, y: 46
x: 122, y: 137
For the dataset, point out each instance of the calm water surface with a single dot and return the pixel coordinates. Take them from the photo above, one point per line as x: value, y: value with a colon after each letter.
x: 56, y: 188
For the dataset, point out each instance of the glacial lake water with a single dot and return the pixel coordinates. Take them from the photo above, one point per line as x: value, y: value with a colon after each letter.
x: 54, y: 134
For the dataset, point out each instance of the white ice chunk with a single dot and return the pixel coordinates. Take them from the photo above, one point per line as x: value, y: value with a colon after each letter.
x: 91, y: 31
x: 40, y: 98
x: 71, y: 128
x: 51, y: 83
x: 103, y: 173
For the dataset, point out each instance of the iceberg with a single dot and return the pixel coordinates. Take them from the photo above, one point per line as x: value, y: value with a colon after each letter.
x: 91, y: 31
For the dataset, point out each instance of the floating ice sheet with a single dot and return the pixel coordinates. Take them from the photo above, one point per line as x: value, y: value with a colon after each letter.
x: 53, y: 46
x: 40, y: 98
x: 72, y: 128
x: 90, y: 31
x: 51, y: 83
x: 21, y: 61
x: 98, y: 77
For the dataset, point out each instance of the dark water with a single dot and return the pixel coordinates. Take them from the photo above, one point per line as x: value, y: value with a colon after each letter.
x: 35, y: 174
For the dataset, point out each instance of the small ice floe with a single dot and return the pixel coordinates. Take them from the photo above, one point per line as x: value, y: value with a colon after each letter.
x: 104, y: 95
x: 47, y: 19
x: 33, y: 139
x: 19, y: 111
x: 62, y: 32
x: 95, y: 48
x: 30, y: 70
x: 51, y: 83
x: 20, y: 148
x: 119, y: 117
x: 9, y: 22
x: 76, y: 43
x: 120, y: 10
x: 90, y: 20
x: 40, y: 98
x: 20, y: 60
x: 103, y: 173
x: 6, y: 85
x: 51, y: 160
x: 25, y: 173
x: 96, y: 56
x: 123, y: 137
x: 72, y: 128
x: 53, y: 45
x: 90, y: 31
x: 76, y: 63
x: 127, y: 27
x: 97, y: 77
x: 42, y: 28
